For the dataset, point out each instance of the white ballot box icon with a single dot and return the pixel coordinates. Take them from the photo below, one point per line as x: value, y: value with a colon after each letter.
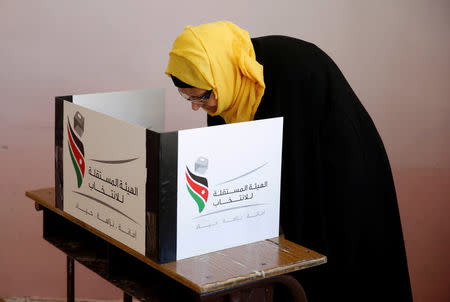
x: 78, y: 123
x: 201, y: 165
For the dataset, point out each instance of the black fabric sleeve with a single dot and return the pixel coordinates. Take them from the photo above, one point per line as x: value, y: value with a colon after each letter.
x: 215, y: 120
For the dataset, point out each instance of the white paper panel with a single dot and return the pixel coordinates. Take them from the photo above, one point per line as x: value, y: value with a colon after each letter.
x: 111, y: 194
x: 140, y: 107
x: 242, y: 165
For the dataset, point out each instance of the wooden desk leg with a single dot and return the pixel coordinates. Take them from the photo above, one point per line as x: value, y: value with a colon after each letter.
x: 127, y: 297
x: 70, y: 280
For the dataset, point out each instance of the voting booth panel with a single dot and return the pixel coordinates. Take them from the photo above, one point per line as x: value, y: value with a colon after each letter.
x: 166, y: 195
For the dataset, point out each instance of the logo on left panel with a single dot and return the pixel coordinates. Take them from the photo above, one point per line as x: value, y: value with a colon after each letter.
x: 197, y: 185
x: 76, y: 148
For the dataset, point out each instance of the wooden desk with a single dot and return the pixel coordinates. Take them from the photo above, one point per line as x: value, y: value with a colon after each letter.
x: 247, y: 270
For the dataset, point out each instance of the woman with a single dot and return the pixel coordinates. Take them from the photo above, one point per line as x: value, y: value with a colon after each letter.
x: 338, y: 196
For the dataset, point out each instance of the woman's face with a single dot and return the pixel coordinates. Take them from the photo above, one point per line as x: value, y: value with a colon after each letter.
x: 195, y: 93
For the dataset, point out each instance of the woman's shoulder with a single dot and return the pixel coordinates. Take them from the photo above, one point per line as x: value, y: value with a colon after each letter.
x: 284, y: 45
x: 285, y: 57
x: 288, y: 51
x: 281, y: 40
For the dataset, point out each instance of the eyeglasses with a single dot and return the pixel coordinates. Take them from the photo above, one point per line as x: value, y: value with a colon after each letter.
x: 201, y: 99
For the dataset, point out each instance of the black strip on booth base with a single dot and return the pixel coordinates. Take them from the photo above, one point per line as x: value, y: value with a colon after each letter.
x: 168, y: 164
x: 59, y: 119
x: 152, y: 195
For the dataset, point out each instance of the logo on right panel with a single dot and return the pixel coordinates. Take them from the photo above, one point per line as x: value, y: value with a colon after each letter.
x: 197, y: 185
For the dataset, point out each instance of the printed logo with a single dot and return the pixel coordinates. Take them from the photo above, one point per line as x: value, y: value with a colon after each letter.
x: 197, y: 186
x: 76, y: 147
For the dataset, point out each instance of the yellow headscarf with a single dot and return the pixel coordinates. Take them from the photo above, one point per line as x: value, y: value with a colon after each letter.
x: 220, y: 56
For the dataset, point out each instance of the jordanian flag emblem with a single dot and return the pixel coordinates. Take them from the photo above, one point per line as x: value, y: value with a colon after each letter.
x: 76, y: 150
x: 197, y: 187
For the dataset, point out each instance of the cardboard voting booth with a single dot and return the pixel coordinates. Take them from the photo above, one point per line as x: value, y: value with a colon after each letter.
x: 166, y: 195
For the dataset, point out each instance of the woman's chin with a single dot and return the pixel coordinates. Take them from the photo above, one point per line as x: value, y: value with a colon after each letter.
x: 210, y: 109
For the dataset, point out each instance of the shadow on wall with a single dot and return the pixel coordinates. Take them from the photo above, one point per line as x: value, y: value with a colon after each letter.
x: 423, y: 196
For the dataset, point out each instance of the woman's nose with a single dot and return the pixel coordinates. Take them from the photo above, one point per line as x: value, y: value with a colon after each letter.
x: 195, y: 106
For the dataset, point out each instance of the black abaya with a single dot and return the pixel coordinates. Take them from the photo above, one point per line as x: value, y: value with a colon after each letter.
x: 337, y: 196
